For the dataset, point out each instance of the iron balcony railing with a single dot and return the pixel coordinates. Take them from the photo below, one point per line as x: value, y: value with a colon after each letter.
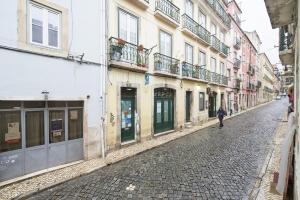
x: 215, y: 42
x: 237, y: 43
x: 166, y: 64
x: 215, y: 78
x: 285, y: 39
x: 193, y: 71
x: 221, y: 12
x: 123, y: 51
x: 224, y: 49
x: 208, y: 76
x: 224, y: 80
x: 237, y: 84
x: 237, y: 63
x: 168, y: 8
x: 251, y: 70
x: 195, y: 28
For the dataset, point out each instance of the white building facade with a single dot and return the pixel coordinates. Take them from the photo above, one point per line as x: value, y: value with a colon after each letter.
x: 52, y: 88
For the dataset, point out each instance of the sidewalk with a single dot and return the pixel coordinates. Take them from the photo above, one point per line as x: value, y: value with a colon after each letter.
x: 35, y: 182
x: 265, y: 188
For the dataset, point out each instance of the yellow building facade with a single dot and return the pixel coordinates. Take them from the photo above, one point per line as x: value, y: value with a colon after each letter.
x: 167, y: 67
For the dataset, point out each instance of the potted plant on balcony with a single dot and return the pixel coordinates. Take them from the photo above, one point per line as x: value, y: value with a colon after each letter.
x: 140, y: 48
x: 117, y: 49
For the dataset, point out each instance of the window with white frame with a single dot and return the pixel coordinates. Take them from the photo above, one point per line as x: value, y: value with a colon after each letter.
x: 202, y: 59
x: 222, y: 68
x: 213, y: 64
x: 202, y: 19
x: 201, y: 101
x: 128, y: 27
x: 213, y: 29
x: 189, y: 8
x: 188, y: 53
x: 44, y: 26
x: 165, y: 43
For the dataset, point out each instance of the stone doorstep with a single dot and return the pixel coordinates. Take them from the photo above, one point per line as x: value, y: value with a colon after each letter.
x: 112, y: 157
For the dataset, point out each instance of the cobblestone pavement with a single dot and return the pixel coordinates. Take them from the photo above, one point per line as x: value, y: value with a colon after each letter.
x: 212, y: 163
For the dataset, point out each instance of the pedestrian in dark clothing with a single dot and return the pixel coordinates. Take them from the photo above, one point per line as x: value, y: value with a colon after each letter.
x: 221, y: 113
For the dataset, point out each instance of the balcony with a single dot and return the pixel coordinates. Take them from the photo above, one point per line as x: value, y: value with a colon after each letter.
x: 127, y: 56
x: 192, y: 28
x: 251, y: 70
x: 251, y: 86
x: 221, y: 12
x: 224, y: 50
x: 286, y: 53
x: 193, y: 72
x: 143, y: 4
x: 237, y: 84
x: 237, y: 43
x: 167, y: 12
x: 223, y: 80
x: 165, y: 65
x: 236, y: 63
x: 215, y: 78
x: 215, y: 43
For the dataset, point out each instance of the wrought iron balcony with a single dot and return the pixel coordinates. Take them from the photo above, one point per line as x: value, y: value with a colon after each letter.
x: 127, y: 55
x: 215, y: 78
x: 167, y: 8
x: 166, y: 65
x: 208, y: 76
x: 237, y: 43
x: 286, y: 53
x: 237, y: 63
x: 215, y: 42
x: 221, y: 12
x: 224, y: 49
x: 237, y: 84
x: 251, y: 70
x: 193, y: 71
x: 195, y: 28
x: 223, y: 80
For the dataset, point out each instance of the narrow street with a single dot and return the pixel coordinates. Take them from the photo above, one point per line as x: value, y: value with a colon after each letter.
x: 210, y: 164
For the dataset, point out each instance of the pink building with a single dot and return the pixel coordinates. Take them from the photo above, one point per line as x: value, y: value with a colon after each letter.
x: 249, y: 71
x: 234, y: 60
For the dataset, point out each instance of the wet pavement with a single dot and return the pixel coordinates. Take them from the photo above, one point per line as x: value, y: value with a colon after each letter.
x: 212, y: 163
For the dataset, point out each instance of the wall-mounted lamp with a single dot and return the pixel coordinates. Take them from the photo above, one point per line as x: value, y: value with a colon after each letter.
x: 46, y: 94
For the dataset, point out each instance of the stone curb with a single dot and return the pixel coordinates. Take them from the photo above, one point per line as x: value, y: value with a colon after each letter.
x: 108, y: 161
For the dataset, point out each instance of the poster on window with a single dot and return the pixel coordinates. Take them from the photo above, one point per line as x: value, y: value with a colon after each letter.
x: 56, y: 127
x: 13, y: 134
x: 74, y: 114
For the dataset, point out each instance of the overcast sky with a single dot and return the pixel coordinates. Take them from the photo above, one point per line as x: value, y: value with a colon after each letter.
x: 255, y: 17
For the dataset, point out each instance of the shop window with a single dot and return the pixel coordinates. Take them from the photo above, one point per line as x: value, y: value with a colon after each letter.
x: 75, y: 120
x: 10, y: 131
x: 201, y: 101
x: 34, y: 128
x: 10, y: 104
x: 56, y: 104
x: 34, y: 104
x: 75, y: 103
x: 56, y: 126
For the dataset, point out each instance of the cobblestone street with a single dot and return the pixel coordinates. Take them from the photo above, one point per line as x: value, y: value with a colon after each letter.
x: 212, y: 163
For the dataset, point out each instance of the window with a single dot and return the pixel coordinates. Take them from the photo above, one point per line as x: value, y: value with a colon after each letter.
x: 188, y: 53
x: 44, y: 26
x: 10, y: 130
x: 56, y: 126
x: 202, y: 59
x: 165, y: 43
x: 128, y: 27
x: 201, y: 101
x: 222, y: 68
x: 213, y: 64
x: 202, y: 19
x: 75, y: 124
x: 34, y: 128
x: 189, y: 8
x: 213, y: 29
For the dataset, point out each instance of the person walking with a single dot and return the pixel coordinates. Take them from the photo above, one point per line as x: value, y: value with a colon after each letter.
x: 221, y: 113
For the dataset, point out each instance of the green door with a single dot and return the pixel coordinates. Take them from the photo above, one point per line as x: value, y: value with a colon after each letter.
x: 163, y: 111
x: 127, y: 119
x: 212, y: 106
x: 188, y: 106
